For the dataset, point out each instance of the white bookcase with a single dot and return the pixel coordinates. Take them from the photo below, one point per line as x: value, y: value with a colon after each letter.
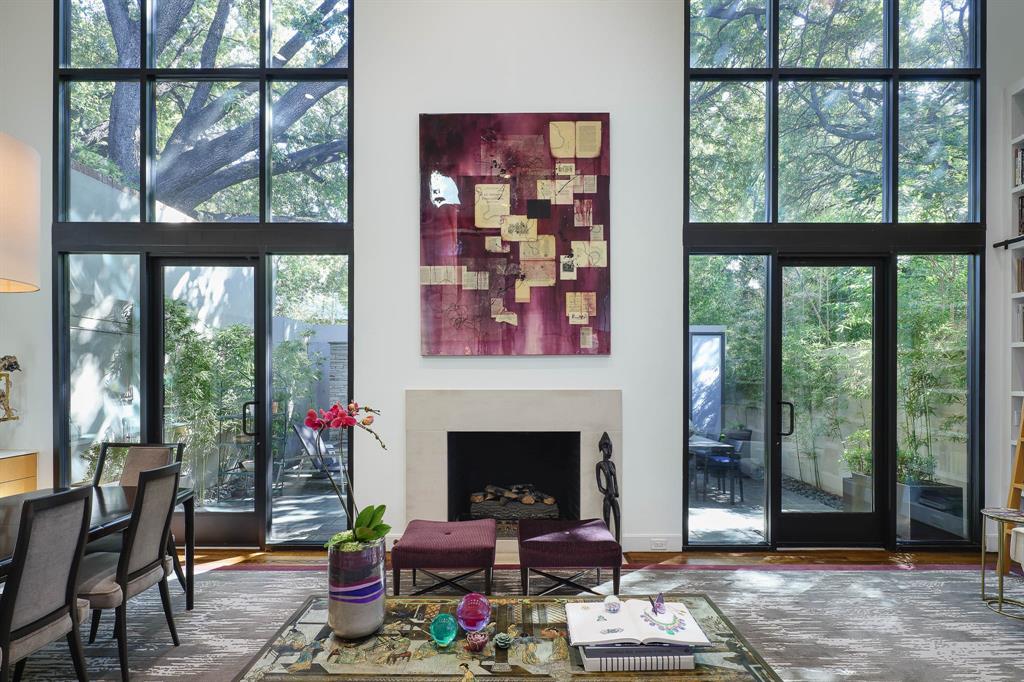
x: 1015, y: 126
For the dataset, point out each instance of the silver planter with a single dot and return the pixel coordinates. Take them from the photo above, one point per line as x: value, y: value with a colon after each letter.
x: 357, y: 585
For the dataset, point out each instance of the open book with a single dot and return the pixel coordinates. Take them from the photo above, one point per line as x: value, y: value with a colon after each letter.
x: 635, y: 623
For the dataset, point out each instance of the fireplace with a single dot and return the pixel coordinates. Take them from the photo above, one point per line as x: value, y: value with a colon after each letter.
x: 509, y: 475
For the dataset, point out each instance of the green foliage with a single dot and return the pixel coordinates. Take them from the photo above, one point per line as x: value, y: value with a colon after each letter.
x: 208, y: 374
x: 368, y: 527
x: 827, y: 347
x: 311, y: 288
x: 831, y: 133
x: 857, y: 452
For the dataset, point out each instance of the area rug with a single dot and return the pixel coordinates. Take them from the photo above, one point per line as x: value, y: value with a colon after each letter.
x: 882, y: 625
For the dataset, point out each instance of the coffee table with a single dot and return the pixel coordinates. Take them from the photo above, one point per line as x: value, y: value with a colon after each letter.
x: 305, y: 650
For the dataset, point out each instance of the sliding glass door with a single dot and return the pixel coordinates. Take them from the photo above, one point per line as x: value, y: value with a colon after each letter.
x: 832, y: 400
x: 207, y: 392
x: 728, y: 415
x: 309, y: 369
x: 827, y: 474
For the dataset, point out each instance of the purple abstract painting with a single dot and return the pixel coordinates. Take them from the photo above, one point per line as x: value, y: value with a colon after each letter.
x: 514, y: 234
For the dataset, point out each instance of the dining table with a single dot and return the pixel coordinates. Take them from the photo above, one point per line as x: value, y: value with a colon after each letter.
x: 111, y: 511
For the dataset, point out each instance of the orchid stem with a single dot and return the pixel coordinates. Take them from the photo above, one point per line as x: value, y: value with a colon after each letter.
x: 327, y: 470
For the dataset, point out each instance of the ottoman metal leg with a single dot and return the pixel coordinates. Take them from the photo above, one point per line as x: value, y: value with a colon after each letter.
x: 397, y: 580
x: 524, y: 579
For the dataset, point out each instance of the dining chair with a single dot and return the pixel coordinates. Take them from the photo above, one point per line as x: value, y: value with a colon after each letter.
x: 109, y: 579
x: 39, y: 604
x: 138, y: 458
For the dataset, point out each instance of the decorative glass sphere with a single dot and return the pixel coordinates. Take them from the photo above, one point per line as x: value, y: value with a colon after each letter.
x: 443, y: 629
x: 474, y: 612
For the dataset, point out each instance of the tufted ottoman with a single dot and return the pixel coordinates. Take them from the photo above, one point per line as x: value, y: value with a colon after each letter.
x: 560, y: 543
x: 428, y: 546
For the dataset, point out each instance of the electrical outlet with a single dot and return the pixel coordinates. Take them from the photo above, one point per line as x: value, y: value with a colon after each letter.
x: 658, y: 544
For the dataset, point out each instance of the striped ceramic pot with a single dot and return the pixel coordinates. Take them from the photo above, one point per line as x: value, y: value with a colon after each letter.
x: 357, y: 585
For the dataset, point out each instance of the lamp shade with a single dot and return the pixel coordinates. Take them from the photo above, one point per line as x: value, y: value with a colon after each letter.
x: 19, y: 216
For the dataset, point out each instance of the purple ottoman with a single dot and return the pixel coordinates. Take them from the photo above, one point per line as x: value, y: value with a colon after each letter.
x: 558, y: 543
x: 445, y: 545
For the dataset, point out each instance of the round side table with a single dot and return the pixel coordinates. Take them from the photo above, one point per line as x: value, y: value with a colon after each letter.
x: 1001, y: 516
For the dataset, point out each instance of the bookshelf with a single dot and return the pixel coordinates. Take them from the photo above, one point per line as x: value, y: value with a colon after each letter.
x: 1015, y: 180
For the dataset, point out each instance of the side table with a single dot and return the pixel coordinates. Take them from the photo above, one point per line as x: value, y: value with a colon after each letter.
x: 1001, y: 516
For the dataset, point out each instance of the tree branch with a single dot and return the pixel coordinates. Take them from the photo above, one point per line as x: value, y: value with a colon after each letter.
x: 299, y: 40
x: 300, y: 161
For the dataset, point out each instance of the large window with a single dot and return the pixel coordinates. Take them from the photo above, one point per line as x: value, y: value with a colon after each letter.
x: 191, y: 135
x: 825, y: 113
x: 184, y: 118
x: 835, y: 143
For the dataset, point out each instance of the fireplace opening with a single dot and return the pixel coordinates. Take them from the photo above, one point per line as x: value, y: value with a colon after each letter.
x: 513, y: 475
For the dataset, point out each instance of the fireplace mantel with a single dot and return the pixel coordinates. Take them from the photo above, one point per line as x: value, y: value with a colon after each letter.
x: 431, y: 414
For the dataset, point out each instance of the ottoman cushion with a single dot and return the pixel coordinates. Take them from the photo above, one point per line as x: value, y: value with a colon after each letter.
x: 446, y: 544
x: 559, y: 543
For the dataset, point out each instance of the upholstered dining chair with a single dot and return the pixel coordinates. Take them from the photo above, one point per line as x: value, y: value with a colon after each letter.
x: 39, y: 603
x: 108, y: 579
x: 138, y: 458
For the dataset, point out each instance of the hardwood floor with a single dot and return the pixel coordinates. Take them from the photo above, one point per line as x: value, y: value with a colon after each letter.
x: 207, y: 559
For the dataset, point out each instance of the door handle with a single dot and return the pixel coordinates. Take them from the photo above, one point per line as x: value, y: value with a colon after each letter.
x: 245, y: 420
x: 791, y: 420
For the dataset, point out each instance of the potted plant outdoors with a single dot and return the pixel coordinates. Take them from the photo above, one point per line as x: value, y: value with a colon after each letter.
x: 921, y: 498
x: 357, y: 583
x: 858, y: 487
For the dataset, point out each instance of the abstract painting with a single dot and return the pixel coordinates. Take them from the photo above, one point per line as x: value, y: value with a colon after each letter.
x: 514, y: 234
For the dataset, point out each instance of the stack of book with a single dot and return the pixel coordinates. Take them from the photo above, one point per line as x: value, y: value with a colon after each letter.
x: 635, y: 638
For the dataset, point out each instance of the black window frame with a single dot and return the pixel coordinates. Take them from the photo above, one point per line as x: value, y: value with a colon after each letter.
x: 153, y: 241
x: 886, y: 239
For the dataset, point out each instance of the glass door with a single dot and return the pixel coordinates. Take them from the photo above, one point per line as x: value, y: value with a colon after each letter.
x: 309, y: 334
x: 208, y: 390
x: 828, y: 473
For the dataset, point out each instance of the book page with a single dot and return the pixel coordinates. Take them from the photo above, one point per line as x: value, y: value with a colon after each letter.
x: 589, y: 623
x: 588, y: 139
x: 675, y: 626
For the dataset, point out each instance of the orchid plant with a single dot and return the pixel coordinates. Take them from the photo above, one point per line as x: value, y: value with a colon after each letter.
x: 368, y: 525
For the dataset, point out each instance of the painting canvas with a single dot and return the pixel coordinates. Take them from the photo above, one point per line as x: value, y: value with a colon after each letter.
x: 514, y: 234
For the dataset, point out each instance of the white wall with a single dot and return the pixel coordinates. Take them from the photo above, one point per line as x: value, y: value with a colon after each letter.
x: 26, y: 103
x: 1005, y: 62
x: 444, y: 56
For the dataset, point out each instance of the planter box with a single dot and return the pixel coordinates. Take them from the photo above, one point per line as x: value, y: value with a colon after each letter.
x: 938, y: 505
x: 858, y: 493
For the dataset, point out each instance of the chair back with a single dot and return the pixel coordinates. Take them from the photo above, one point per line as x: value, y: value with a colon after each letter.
x: 138, y: 458
x: 42, y: 584
x: 145, y: 540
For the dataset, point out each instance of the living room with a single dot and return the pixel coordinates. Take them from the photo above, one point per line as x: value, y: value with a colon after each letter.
x: 292, y: 295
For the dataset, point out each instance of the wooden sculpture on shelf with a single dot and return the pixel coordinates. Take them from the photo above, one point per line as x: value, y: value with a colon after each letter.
x: 8, y: 364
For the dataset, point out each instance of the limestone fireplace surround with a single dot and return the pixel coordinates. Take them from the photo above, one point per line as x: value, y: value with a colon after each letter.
x: 431, y: 414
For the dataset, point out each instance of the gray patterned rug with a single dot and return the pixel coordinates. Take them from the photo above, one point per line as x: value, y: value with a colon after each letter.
x: 888, y: 625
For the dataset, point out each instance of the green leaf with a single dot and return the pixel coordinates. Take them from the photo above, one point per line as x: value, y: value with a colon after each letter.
x: 364, y: 534
x: 378, y: 516
x: 381, y: 530
x: 363, y: 520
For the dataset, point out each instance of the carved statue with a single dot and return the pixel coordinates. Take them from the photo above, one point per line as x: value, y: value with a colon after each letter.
x: 8, y: 364
x: 608, y: 485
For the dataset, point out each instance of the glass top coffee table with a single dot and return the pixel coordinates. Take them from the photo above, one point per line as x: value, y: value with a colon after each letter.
x: 305, y: 649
